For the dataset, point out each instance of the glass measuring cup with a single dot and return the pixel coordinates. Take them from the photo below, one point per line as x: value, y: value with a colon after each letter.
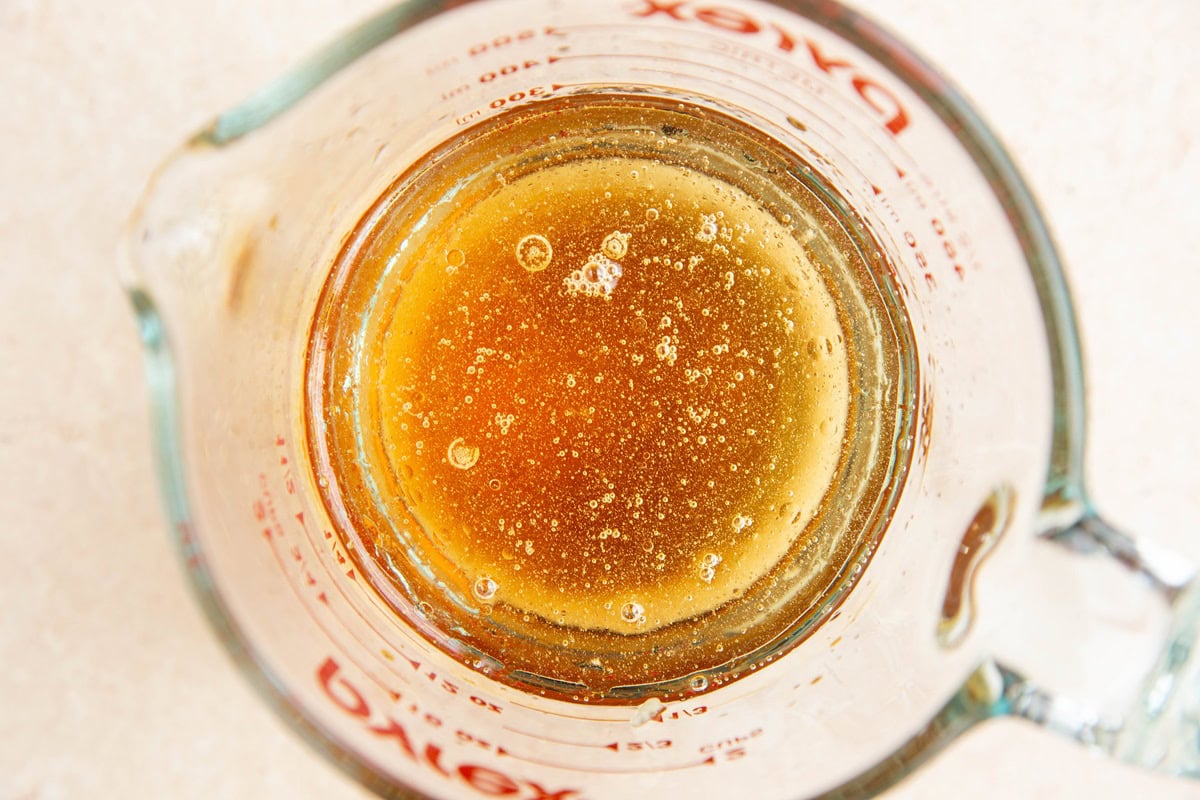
x: 220, y: 279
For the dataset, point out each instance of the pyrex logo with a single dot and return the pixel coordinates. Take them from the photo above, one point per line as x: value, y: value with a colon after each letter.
x: 881, y: 100
x: 487, y: 781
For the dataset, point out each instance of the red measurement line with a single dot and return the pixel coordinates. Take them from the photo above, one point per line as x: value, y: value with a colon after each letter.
x: 765, y: 55
x: 390, y: 668
x: 844, y: 122
x: 699, y: 33
x: 740, y: 697
x: 336, y: 584
x: 319, y: 550
x: 613, y: 771
x: 642, y: 57
x: 559, y: 714
x: 321, y: 625
x: 555, y: 741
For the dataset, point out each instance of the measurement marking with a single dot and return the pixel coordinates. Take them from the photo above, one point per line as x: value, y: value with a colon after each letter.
x: 560, y: 714
x: 738, y: 698
x: 392, y: 671
x: 551, y: 739
x: 677, y: 60
x: 391, y: 668
x: 761, y: 56
x: 711, y: 760
x: 845, y: 122
x: 325, y: 630
x: 698, y: 33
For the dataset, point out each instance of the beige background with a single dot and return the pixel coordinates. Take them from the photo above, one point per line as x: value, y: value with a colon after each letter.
x: 111, y: 685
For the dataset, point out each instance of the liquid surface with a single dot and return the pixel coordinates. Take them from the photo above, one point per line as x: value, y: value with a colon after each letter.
x: 585, y: 412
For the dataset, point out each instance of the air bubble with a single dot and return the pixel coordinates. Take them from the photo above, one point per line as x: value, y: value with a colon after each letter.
x: 485, y: 588
x: 741, y: 521
x: 698, y: 683
x: 633, y: 613
x: 615, y: 245
x: 666, y: 351
x: 534, y: 252
x: 708, y: 229
x: 462, y: 455
x: 596, y: 278
x: 708, y: 567
x: 651, y: 214
x: 455, y: 258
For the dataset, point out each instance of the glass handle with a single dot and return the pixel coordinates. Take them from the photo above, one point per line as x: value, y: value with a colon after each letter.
x: 1166, y: 572
x: 1161, y: 729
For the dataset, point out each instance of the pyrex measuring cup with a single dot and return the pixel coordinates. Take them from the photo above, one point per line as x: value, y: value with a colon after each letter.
x: 227, y: 256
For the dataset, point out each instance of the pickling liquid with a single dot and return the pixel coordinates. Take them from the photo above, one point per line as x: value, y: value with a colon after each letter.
x: 586, y: 398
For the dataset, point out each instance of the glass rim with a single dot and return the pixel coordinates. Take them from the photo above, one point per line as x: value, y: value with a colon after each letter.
x: 1064, y: 498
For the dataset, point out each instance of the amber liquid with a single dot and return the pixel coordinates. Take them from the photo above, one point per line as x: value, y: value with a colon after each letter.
x: 585, y: 396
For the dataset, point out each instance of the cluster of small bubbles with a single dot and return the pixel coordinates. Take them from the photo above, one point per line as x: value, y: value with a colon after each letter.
x: 485, y: 588
x: 741, y: 522
x: 534, y: 252
x: 462, y: 455
x: 708, y: 229
x: 708, y: 567
x: 615, y: 245
x: 666, y: 351
x: 610, y: 533
x: 504, y: 421
x: 698, y: 683
x: 597, y: 278
x: 633, y: 613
